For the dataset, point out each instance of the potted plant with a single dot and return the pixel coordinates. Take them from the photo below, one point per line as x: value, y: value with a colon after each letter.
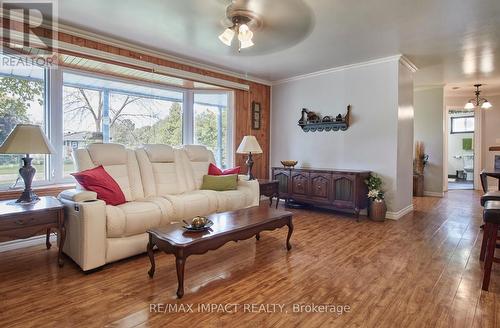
x: 377, y: 208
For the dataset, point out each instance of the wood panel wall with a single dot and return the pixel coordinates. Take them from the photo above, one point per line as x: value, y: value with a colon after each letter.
x: 243, y: 99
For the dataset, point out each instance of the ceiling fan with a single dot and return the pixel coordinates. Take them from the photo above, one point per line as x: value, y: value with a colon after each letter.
x: 240, y: 20
x: 265, y: 25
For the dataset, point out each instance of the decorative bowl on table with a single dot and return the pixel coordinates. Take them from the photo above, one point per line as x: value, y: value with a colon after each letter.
x: 289, y: 163
x: 199, y: 223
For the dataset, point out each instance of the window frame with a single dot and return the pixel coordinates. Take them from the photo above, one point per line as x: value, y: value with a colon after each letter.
x: 230, y: 121
x: 453, y: 118
x: 54, y: 119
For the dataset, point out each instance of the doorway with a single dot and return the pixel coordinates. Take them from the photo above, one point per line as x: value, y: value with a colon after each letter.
x: 461, y: 127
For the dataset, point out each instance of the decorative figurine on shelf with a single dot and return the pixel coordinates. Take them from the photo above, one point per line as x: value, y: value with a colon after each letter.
x: 311, y: 121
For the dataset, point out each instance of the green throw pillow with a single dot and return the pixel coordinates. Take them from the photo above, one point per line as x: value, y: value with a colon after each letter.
x: 220, y: 182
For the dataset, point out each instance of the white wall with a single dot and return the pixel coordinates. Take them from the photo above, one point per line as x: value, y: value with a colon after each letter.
x: 370, y: 143
x: 429, y: 127
x: 405, y: 139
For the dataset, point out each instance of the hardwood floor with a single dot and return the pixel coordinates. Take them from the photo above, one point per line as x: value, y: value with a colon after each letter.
x: 422, y: 270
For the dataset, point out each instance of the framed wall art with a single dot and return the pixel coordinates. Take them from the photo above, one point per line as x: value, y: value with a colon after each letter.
x: 256, y: 115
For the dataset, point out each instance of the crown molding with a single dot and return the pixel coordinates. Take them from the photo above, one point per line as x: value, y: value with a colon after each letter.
x: 408, y: 64
x: 403, y: 60
x: 81, y: 33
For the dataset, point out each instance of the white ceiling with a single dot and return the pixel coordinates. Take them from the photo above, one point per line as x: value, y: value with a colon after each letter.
x: 450, y: 41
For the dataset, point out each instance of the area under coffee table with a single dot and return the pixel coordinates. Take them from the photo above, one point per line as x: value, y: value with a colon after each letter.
x: 228, y: 226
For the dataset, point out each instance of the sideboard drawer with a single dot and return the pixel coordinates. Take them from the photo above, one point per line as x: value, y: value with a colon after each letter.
x: 26, y: 220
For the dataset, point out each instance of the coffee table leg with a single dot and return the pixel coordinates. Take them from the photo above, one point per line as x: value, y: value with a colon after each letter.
x: 179, y: 264
x: 151, y: 271
x: 290, y: 231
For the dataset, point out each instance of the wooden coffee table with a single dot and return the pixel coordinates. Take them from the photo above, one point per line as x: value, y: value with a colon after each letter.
x: 228, y: 226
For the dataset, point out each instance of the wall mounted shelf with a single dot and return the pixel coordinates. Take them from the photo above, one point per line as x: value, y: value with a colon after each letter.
x: 312, y: 122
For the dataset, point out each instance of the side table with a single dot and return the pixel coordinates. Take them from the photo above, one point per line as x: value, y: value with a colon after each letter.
x: 18, y: 221
x: 270, y: 188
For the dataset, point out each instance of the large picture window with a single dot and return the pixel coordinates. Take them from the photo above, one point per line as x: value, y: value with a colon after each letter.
x: 22, y: 98
x: 102, y: 110
x: 88, y: 107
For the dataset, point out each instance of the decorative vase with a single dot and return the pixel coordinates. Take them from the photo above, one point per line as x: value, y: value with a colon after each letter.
x: 377, y: 210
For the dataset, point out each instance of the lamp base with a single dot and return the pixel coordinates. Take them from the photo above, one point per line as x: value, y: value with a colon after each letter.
x: 27, y: 172
x: 28, y: 197
x: 249, y: 164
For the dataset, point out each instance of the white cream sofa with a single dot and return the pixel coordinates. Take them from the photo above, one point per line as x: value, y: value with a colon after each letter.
x: 160, y: 183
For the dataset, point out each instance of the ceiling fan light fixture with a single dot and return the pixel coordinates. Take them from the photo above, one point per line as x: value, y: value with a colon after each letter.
x: 486, y: 105
x: 469, y: 105
x: 227, y: 36
x: 246, y: 44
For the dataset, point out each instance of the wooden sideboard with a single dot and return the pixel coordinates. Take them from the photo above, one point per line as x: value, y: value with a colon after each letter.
x: 342, y: 190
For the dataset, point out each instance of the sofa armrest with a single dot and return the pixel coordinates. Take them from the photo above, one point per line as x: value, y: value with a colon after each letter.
x: 253, y: 185
x: 77, y: 195
x: 85, y: 222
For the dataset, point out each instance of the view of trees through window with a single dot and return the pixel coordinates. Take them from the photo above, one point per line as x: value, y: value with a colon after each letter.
x: 21, y: 101
x: 210, y: 124
x: 108, y: 114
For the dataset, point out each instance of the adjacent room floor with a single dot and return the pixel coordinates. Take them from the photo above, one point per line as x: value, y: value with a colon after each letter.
x: 455, y: 184
x: 422, y: 270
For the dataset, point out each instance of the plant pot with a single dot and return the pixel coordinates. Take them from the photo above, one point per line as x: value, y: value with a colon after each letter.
x: 377, y: 210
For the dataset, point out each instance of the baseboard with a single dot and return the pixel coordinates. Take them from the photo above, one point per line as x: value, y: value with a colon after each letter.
x: 21, y: 243
x: 399, y: 214
x: 433, y: 194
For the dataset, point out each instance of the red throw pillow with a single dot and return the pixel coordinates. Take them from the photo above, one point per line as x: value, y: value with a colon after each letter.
x: 98, y: 180
x: 214, y: 170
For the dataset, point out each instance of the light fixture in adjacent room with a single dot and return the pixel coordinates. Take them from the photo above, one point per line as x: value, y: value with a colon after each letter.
x: 478, y: 101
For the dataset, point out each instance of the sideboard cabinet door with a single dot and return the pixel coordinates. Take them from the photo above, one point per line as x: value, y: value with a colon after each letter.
x: 320, y: 186
x: 300, y: 183
x: 343, y: 193
x: 283, y: 177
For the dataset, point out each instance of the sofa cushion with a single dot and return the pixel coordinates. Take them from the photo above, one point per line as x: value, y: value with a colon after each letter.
x: 100, y: 182
x: 196, y: 160
x: 132, y: 218
x: 160, y: 153
x: 232, y: 200
x: 193, y: 203
x: 214, y: 170
x: 161, y: 170
x: 219, y: 182
x: 120, y: 163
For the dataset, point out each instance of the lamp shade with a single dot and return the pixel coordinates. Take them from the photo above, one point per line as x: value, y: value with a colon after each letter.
x: 27, y: 139
x: 249, y: 144
x: 469, y: 105
x: 486, y: 105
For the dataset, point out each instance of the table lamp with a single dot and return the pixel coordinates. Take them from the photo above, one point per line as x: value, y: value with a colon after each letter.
x: 249, y: 145
x: 27, y: 139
